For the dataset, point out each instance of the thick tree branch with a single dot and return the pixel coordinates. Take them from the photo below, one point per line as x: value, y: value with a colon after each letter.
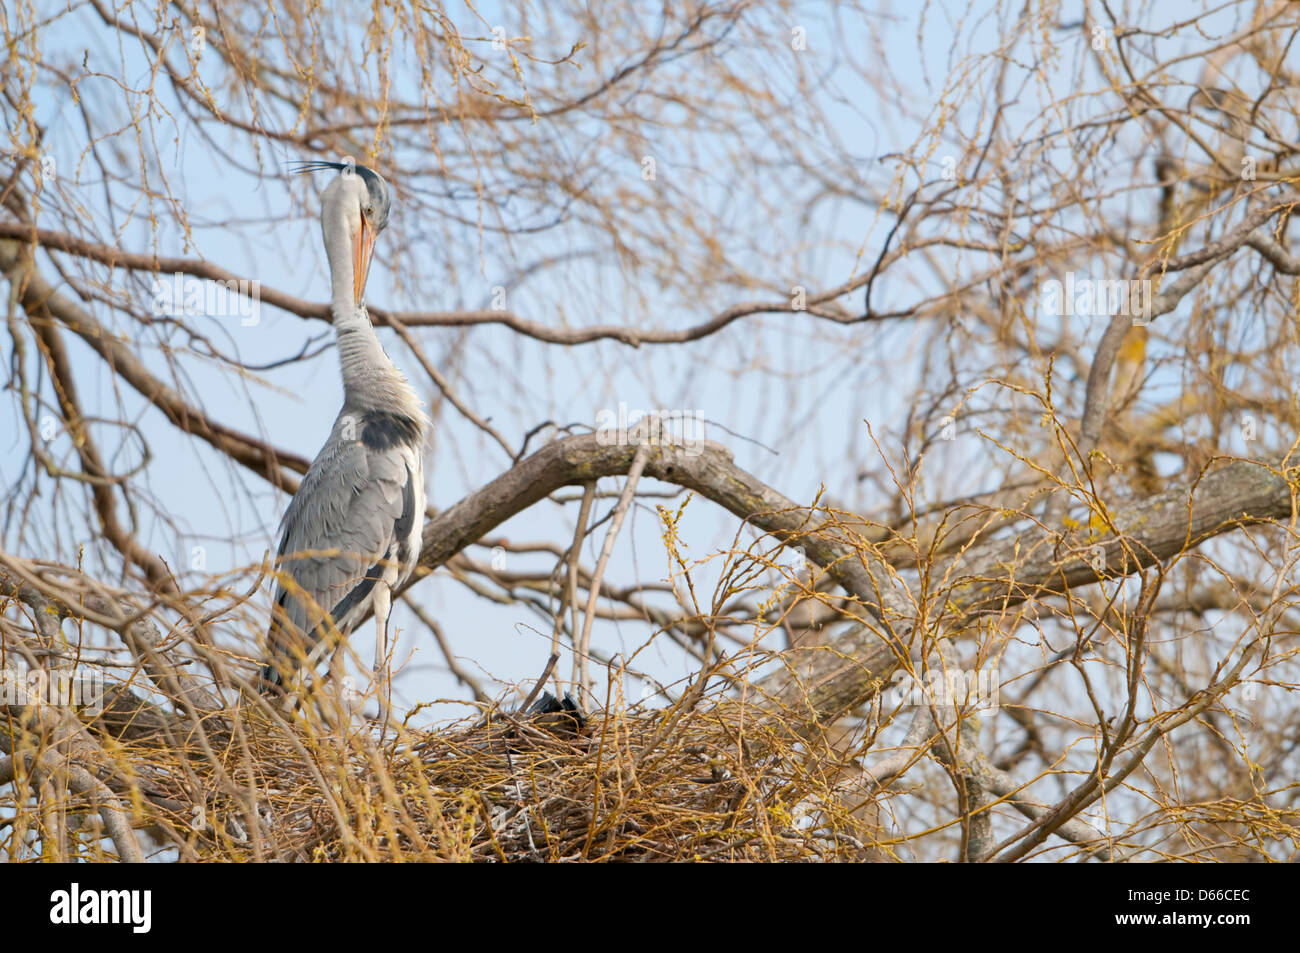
x: 826, y: 681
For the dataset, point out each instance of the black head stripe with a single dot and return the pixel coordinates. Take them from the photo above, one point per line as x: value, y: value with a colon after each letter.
x: 375, y: 185
x: 318, y: 165
x: 377, y: 189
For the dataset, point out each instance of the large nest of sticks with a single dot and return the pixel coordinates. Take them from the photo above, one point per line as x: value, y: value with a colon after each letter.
x: 172, y: 764
x: 705, y: 781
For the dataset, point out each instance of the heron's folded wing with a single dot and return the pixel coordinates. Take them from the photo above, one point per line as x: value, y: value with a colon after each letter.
x: 340, y: 529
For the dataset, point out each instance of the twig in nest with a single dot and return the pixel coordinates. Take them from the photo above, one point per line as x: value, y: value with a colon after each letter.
x: 580, y: 650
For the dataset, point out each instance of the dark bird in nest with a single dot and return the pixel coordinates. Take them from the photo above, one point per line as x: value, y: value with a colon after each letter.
x: 556, y: 716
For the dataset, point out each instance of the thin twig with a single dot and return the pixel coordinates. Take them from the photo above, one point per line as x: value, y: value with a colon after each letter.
x: 569, y: 597
x: 580, y: 674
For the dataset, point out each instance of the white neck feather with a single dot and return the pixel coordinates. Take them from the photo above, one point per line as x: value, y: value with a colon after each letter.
x: 370, y: 380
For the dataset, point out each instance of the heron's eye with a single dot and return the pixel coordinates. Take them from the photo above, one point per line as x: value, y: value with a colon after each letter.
x: 370, y: 210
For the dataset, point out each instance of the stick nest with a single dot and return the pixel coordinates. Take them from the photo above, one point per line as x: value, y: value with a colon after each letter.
x: 712, y: 782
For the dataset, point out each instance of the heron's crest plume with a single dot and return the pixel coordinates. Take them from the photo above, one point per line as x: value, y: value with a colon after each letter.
x: 376, y: 185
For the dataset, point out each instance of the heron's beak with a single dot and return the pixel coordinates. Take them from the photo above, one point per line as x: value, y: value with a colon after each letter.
x: 362, y: 248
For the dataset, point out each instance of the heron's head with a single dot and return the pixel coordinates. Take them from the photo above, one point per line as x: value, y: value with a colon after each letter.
x: 354, y: 210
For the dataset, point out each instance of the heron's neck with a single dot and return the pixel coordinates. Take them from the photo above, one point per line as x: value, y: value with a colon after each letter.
x: 370, y: 380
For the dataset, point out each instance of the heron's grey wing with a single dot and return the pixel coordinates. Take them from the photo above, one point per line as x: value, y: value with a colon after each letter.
x: 340, y: 531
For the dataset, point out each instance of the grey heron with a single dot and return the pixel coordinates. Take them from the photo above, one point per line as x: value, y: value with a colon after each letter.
x: 351, y: 534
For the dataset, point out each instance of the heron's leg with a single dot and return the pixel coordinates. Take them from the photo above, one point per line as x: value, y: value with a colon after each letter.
x: 337, y: 689
x: 338, y: 669
x: 329, y: 692
x: 383, y: 604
